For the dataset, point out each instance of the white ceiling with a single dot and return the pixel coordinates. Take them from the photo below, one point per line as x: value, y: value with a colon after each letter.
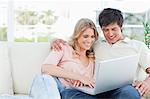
x: 134, y: 6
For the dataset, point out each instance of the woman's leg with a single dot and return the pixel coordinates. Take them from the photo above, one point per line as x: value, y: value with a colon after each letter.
x: 44, y: 87
x: 75, y: 94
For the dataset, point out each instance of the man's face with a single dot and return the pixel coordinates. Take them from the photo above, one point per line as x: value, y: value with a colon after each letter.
x: 112, y: 33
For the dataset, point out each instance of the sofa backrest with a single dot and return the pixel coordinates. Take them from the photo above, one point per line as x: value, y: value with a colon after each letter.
x: 5, y: 70
x: 26, y: 60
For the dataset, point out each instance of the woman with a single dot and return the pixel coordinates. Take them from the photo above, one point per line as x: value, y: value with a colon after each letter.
x: 74, y: 64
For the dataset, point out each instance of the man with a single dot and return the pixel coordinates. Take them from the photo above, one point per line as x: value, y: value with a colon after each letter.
x: 116, y: 45
x: 111, y: 21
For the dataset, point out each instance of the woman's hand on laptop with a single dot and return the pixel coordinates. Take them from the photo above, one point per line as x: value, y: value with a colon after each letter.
x: 56, y: 44
x: 84, y: 81
x: 78, y: 83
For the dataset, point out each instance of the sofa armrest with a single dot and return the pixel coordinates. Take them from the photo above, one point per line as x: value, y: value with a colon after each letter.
x: 44, y: 87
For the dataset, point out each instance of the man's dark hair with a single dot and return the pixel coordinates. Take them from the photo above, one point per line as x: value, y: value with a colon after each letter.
x: 110, y: 16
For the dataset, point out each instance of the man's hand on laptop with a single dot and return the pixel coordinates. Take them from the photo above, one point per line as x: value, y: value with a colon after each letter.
x: 56, y: 44
x: 142, y: 86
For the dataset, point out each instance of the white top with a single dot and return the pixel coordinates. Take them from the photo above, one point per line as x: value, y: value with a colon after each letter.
x: 104, y: 50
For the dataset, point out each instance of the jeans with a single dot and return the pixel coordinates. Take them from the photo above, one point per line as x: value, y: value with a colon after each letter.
x: 44, y: 87
x: 125, y: 92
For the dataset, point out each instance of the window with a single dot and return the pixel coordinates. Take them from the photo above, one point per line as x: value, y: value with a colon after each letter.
x: 40, y: 20
x: 3, y: 21
x: 133, y: 25
x: 33, y: 21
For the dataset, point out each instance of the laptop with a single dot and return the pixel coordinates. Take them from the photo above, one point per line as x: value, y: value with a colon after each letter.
x: 113, y: 73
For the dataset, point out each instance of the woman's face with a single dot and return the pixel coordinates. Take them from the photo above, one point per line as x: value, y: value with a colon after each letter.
x: 86, y: 39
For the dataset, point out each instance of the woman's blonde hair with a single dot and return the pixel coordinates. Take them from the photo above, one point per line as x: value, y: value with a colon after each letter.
x: 80, y: 27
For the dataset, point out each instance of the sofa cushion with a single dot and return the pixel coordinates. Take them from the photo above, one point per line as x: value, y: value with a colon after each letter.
x: 26, y: 61
x: 15, y: 97
x: 5, y: 70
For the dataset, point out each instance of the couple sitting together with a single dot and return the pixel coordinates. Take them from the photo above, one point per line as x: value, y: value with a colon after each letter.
x: 72, y: 64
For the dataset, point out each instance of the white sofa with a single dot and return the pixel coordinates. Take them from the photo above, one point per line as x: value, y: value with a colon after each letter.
x: 19, y: 63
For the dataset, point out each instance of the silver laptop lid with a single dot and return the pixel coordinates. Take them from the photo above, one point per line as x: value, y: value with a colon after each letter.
x: 114, y: 73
